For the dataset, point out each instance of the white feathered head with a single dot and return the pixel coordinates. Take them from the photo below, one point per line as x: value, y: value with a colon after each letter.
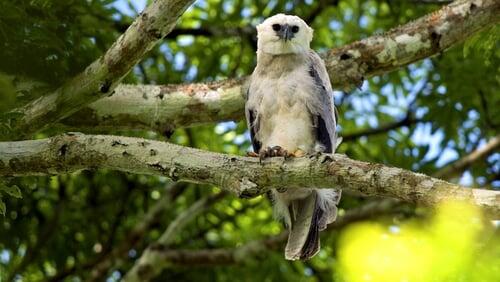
x: 283, y: 34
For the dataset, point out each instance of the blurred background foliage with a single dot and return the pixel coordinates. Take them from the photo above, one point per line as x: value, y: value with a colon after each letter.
x: 422, y: 250
x: 445, y: 107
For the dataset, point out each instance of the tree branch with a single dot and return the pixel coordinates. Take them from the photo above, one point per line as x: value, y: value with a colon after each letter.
x: 432, y: 1
x: 158, y: 107
x: 136, y: 234
x: 320, y: 7
x: 242, y: 175
x: 408, y: 121
x: 98, y: 266
x: 253, y: 249
x: 166, y: 108
x: 46, y: 232
x: 161, y: 108
x: 208, y: 31
x: 458, y: 167
x: 150, y: 263
x: 259, y: 247
x: 103, y: 75
x: 424, y: 37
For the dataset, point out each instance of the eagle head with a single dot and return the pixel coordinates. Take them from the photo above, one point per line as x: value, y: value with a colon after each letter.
x: 283, y: 34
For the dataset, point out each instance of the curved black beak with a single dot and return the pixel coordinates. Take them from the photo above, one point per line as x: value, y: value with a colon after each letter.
x: 285, y: 32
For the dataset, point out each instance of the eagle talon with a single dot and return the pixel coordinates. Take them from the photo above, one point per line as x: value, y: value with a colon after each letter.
x: 276, y: 151
x: 252, y: 154
x: 246, y: 195
x: 287, y: 156
x: 280, y: 152
x: 264, y: 153
x: 326, y: 158
x: 315, y: 155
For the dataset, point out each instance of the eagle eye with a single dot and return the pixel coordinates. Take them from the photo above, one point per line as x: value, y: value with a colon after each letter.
x: 276, y: 27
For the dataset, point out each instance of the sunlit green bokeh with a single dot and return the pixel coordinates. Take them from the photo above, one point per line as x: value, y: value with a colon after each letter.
x: 455, y: 244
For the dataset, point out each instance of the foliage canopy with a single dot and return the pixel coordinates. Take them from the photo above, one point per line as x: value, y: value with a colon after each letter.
x: 63, y: 226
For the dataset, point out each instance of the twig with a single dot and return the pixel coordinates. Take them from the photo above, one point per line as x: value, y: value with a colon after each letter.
x: 150, y: 263
x: 459, y: 166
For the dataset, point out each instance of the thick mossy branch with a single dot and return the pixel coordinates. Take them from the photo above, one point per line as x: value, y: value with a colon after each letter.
x: 163, y: 108
x: 103, y: 75
x: 242, y: 175
x: 411, y: 42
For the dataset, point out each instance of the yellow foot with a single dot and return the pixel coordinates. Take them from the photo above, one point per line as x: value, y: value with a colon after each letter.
x: 298, y: 153
x: 252, y: 154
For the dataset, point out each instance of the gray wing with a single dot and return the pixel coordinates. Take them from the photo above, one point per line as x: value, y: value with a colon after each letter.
x: 324, y: 117
x: 319, y: 208
x: 253, y: 122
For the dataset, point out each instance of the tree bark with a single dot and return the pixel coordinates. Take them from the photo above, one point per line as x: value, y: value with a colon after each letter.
x: 409, y: 43
x: 242, y: 175
x: 161, y: 108
x: 164, y: 108
x: 103, y: 75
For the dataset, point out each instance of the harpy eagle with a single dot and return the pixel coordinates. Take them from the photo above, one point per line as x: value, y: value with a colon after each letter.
x: 290, y: 113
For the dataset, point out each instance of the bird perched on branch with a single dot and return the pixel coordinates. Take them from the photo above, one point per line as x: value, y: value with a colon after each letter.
x: 290, y: 113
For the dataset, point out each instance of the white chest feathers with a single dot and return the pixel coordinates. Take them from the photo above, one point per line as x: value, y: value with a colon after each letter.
x: 284, y: 117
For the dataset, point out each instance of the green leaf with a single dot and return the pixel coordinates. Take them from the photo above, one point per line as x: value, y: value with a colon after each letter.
x: 2, y: 207
x: 7, y: 92
x: 484, y: 43
x: 12, y: 191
